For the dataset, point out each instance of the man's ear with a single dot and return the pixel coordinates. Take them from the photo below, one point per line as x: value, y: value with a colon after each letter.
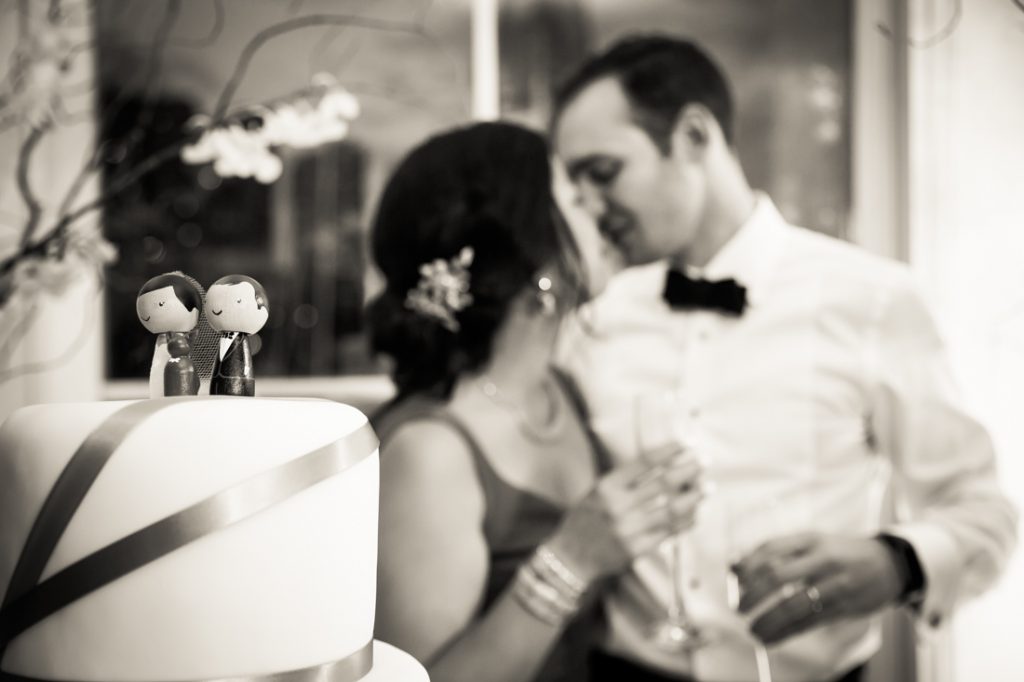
x: 693, y: 131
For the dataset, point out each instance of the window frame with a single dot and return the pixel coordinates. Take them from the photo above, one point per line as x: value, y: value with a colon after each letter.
x: 878, y: 173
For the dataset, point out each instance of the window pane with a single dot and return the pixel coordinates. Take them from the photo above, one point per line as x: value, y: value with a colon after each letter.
x: 303, y: 236
x: 789, y: 63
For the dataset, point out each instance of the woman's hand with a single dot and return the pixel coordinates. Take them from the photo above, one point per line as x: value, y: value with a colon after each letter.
x: 629, y: 512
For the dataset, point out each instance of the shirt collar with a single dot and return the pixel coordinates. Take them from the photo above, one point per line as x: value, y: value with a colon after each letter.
x: 750, y: 255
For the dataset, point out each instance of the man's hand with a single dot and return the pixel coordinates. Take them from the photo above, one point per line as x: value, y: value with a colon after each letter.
x: 809, y: 579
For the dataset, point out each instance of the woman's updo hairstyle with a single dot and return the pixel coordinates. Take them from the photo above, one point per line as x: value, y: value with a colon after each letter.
x: 488, y: 187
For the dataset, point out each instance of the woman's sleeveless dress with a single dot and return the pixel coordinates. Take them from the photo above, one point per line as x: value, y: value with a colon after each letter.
x: 516, y: 521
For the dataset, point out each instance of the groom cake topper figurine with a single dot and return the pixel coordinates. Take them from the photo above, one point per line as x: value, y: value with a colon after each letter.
x: 236, y: 306
x: 169, y: 306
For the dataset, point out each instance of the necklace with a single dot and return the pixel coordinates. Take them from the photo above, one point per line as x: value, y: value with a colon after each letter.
x: 540, y: 431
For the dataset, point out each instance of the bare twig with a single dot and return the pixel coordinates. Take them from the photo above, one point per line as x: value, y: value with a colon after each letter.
x: 35, y: 210
x: 116, y: 187
x: 69, y: 216
x: 267, y: 34
x: 211, y: 37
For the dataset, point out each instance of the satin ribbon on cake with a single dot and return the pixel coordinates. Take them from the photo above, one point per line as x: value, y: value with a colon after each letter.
x: 28, y: 601
x: 349, y: 669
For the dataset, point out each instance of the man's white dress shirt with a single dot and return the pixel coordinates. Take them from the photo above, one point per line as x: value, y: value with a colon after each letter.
x: 832, y: 386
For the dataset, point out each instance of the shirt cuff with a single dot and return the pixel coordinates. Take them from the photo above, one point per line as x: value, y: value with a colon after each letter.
x: 937, y: 554
x: 912, y: 580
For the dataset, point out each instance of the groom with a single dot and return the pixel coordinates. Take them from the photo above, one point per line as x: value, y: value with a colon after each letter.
x: 812, y: 376
x: 237, y: 307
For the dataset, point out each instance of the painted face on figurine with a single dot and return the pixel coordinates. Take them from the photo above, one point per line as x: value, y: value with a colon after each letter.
x: 169, y: 303
x: 237, y: 303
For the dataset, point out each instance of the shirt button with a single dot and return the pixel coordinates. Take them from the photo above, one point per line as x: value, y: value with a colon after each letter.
x: 935, y: 620
x: 694, y: 413
x: 702, y: 335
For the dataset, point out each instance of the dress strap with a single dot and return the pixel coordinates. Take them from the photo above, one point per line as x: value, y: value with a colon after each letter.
x: 602, y: 457
x: 484, y: 468
x: 399, y: 413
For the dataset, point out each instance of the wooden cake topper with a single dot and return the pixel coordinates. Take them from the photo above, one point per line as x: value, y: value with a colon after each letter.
x: 169, y: 306
x: 236, y: 306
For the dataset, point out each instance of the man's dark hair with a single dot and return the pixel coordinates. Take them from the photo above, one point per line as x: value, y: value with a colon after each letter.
x: 659, y: 75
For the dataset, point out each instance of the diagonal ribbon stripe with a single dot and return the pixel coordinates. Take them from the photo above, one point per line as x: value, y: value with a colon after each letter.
x: 349, y: 669
x: 67, y: 493
x: 216, y: 512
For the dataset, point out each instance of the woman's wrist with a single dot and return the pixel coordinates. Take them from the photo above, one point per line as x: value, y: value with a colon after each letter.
x: 547, y: 588
x: 561, y: 545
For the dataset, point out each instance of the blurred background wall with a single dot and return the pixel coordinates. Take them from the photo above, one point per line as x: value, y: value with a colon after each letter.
x: 895, y: 124
x: 965, y: 133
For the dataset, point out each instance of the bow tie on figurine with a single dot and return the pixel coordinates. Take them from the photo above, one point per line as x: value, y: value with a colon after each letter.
x: 237, y: 307
x: 686, y: 293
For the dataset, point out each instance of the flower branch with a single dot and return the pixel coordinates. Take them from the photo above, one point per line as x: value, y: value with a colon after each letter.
x: 241, y: 143
x: 35, y: 209
x: 250, y: 50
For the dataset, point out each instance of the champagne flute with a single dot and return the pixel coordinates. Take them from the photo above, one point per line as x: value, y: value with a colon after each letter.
x: 655, y: 421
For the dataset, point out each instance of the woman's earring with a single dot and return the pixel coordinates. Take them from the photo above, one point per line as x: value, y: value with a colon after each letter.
x: 545, y: 297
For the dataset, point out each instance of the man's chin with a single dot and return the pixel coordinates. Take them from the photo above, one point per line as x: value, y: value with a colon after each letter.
x: 632, y: 255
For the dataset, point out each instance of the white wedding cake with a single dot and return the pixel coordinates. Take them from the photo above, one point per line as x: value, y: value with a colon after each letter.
x: 190, y: 539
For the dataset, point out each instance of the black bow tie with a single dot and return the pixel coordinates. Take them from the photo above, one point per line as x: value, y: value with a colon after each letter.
x: 682, y: 292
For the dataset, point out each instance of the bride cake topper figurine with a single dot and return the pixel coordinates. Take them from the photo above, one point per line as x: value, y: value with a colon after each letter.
x: 236, y: 306
x: 169, y: 306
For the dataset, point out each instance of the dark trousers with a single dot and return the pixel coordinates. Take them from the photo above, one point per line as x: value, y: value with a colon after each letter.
x: 607, y: 668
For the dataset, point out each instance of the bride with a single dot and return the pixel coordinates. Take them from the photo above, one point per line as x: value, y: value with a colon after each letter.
x: 500, y: 517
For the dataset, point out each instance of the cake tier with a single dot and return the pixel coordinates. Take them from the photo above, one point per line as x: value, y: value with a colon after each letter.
x: 391, y: 664
x: 288, y: 587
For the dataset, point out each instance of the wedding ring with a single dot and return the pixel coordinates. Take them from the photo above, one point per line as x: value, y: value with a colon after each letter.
x: 815, y: 597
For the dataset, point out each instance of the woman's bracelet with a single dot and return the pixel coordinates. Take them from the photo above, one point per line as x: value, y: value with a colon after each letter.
x: 573, y: 584
x: 547, y: 589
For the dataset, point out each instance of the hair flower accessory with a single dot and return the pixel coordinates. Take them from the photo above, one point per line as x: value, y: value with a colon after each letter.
x: 443, y: 289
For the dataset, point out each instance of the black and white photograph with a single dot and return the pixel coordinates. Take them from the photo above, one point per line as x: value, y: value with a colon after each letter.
x: 511, y: 340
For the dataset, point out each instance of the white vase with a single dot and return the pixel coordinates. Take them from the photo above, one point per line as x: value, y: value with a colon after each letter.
x: 55, y: 354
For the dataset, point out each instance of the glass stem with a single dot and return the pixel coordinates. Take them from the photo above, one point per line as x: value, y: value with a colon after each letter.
x: 764, y: 670
x: 677, y: 607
